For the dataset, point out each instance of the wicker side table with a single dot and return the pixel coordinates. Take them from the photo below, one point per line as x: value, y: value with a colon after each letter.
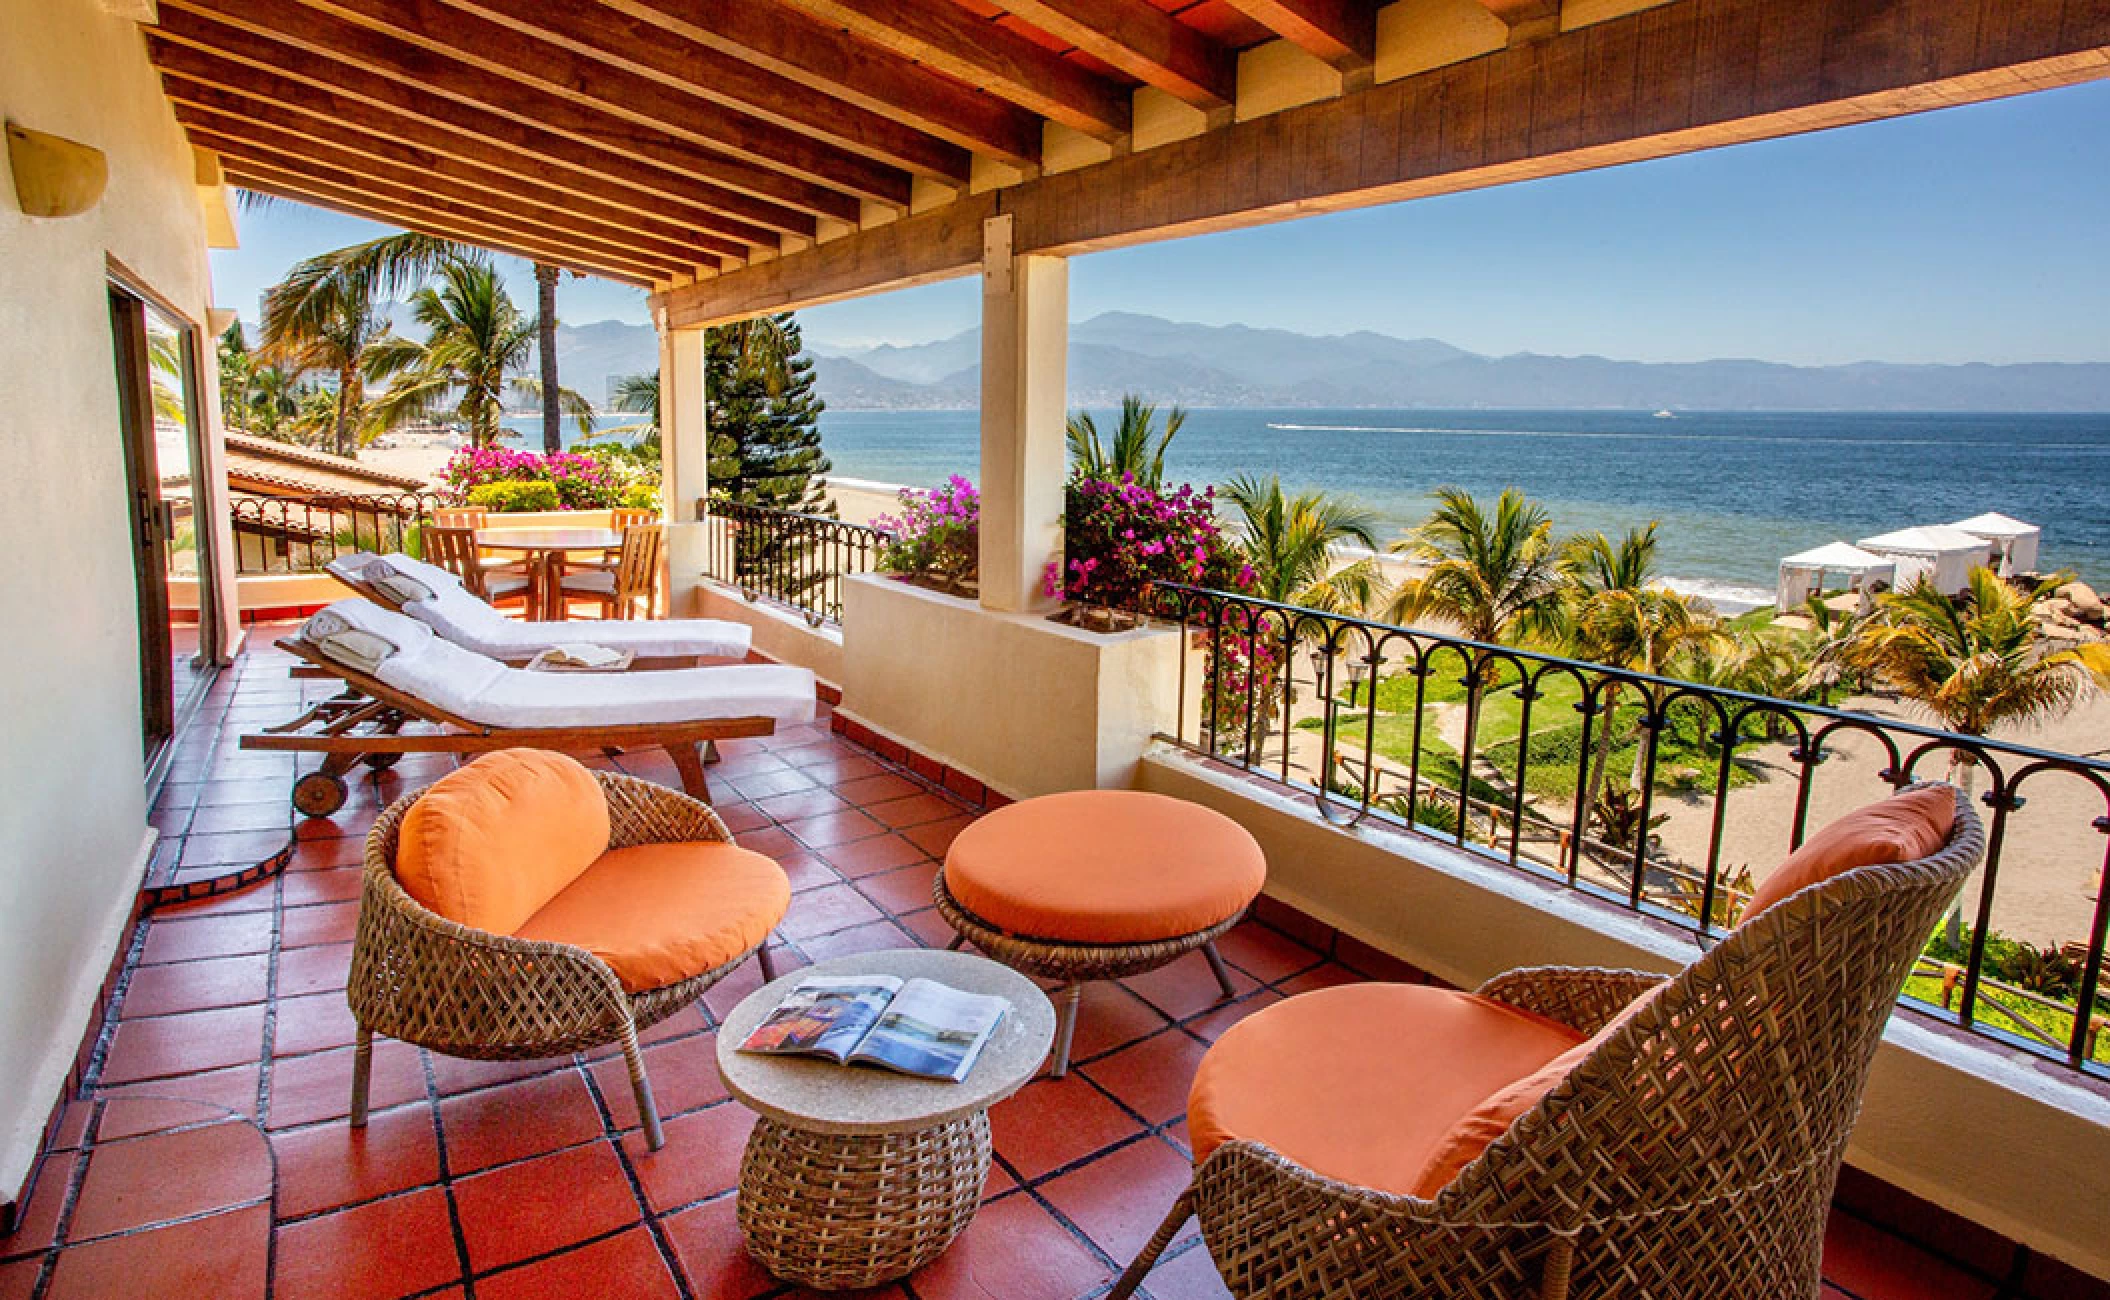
x: 855, y: 1176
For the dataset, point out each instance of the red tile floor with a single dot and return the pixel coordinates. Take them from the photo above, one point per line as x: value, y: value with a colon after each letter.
x: 210, y: 1156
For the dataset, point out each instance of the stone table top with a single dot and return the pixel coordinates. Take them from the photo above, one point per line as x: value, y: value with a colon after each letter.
x: 823, y: 1097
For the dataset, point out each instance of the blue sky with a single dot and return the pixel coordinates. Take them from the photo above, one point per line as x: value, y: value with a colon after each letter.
x: 1972, y: 234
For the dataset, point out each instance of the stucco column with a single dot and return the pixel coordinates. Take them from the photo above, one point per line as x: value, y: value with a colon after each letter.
x: 684, y: 451
x: 1025, y: 347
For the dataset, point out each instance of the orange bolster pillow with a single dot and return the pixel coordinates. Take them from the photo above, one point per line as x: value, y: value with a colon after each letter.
x: 1903, y: 828
x: 489, y: 844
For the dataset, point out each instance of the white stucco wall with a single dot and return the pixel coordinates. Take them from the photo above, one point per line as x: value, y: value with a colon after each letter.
x: 72, y: 810
x: 1982, y: 1132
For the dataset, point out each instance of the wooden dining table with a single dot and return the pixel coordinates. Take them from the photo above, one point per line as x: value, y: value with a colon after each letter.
x: 545, y: 550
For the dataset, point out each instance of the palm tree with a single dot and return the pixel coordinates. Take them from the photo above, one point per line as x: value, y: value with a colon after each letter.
x: 274, y: 398
x: 1288, y: 542
x: 1975, y: 662
x: 326, y: 315
x: 476, y: 339
x: 546, y: 352
x: 237, y: 377
x: 1137, y: 448
x: 639, y: 395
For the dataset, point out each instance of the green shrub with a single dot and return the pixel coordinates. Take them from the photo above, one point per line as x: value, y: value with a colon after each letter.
x: 641, y: 496
x: 513, y: 496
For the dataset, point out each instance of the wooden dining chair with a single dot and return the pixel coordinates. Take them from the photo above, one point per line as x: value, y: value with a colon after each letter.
x: 454, y: 549
x: 474, y: 518
x: 629, y: 589
x: 620, y: 521
x: 471, y: 517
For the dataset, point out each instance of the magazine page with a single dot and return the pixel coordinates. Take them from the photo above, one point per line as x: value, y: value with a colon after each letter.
x: 933, y: 1030
x: 824, y: 1016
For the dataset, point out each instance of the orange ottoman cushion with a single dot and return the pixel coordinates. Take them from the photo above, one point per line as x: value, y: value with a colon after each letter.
x: 662, y: 913
x: 1903, y: 828
x: 1362, y: 1083
x: 488, y: 844
x: 1104, y: 866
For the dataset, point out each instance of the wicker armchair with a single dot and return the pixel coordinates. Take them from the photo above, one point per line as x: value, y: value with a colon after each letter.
x: 1693, y: 1154
x: 421, y: 978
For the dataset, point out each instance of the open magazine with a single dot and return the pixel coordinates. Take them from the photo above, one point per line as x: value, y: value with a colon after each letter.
x: 916, y: 1026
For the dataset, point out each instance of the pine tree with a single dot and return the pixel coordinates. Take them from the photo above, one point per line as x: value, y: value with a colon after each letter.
x: 764, y: 416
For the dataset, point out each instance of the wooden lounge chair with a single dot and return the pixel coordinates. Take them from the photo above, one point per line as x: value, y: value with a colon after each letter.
x: 377, y: 721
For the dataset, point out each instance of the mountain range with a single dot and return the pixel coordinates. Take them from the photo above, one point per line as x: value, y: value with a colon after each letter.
x: 1240, y: 366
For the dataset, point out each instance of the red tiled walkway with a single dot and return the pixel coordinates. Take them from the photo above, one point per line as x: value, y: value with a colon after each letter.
x: 210, y: 1158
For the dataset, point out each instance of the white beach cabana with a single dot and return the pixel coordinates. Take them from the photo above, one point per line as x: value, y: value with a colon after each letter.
x: 1939, y: 553
x: 2013, y: 542
x: 1804, y: 574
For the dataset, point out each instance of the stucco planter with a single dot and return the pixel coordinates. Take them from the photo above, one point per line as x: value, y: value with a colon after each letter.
x: 1025, y: 705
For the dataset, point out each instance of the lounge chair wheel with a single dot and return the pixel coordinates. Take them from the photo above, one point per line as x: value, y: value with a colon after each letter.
x: 318, y: 794
x: 383, y: 762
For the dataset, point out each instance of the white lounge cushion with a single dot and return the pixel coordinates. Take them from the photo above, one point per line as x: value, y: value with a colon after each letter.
x: 482, y: 690
x: 364, y: 636
x: 600, y: 582
x: 463, y: 619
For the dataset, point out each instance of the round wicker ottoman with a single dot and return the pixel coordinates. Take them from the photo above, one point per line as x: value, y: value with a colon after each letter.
x: 856, y: 1176
x: 1098, y: 884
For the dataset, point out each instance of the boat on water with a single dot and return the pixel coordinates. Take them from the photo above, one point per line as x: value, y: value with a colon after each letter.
x: 1665, y: 415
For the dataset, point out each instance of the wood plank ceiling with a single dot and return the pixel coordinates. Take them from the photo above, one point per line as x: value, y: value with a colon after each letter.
x: 652, y: 141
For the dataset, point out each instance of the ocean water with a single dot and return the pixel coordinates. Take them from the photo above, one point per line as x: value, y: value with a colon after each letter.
x: 1733, y: 492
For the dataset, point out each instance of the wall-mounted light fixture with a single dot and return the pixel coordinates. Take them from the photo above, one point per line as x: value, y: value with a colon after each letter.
x: 54, y: 177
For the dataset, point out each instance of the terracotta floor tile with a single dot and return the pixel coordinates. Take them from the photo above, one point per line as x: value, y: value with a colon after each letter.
x: 331, y: 1165
x: 684, y: 1076
x: 936, y: 837
x: 325, y: 885
x: 1120, y: 1198
x: 905, y: 889
x: 807, y: 870
x: 1267, y: 955
x: 929, y: 928
x: 330, y: 854
x: 180, y: 1044
x: 1210, y: 1025
x: 878, y: 936
x: 726, y: 993
x: 877, y: 789
x: 1874, y: 1265
x: 763, y: 783
x: 186, y: 1102
x: 818, y: 911
x: 311, y: 1024
x: 833, y: 828
x: 880, y: 853
x: 518, y: 1120
x: 454, y: 1074
x: 38, y: 1223
x: 149, y: 1180
x: 1151, y: 1077
x: 544, y: 1204
x: 795, y: 804
x: 394, y: 1247
x: 772, y: 841
x: 1186, y: 987
x: 1053, y: 1122
x: 701, y: 1158
x: 1110, y: 1016
x: 1191, y: 1275
x: 915, y: 810
x: 275, y: 817
x: 216, y: 793
x: 18, y: 1280
x: 849, y: 764
x: 186, y: 938
x: 739, y: 815
x: 197, y: 985
x: 309, y: 1089
x: 212, y: 1258
x: 1016, y: 1250
x: 237, y: 848
x: 304, y: 927
x: 628, y: 1265
x: 706, y: 1241
x: 321, y: 969
x: 1331, y: 975
x: 346, y: 825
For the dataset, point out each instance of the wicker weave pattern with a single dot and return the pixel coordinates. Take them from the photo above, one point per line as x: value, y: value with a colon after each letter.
x: 1692, y: 1155
x: 841, y: 1212
x: 421, y: 978
x: 1055, y: 960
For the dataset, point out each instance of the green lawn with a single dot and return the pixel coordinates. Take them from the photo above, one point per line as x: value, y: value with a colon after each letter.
x: 2058, y: 1024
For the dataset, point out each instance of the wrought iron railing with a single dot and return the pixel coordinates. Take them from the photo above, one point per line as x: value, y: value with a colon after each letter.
x: 1658, y: 795
x: 302, y: 534
x: 793, y: 559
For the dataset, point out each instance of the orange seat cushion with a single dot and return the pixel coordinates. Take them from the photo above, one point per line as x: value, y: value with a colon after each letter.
x: 490, y: 843
x: 1903, y: 828
x: 1361, y: 1083
x: 1104, y: 866
x: 662, y: 913
x: 1476, y: 1129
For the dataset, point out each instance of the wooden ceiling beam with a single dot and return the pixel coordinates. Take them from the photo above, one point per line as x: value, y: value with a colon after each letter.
x: 406, y: 142
x: 644, y: 50
x: 1342, y: 32
x: 232, y: 137
x: 376, y: 105
x: 554, y: 244
x: 945, y: 36
x: 300, y: 189
x: 827, y: 59
x: 1143, y: 41
x: 281, y: 36
x: 1527, y: 20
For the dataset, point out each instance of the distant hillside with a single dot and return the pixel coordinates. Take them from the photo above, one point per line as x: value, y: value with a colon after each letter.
x: 1237, y: 365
